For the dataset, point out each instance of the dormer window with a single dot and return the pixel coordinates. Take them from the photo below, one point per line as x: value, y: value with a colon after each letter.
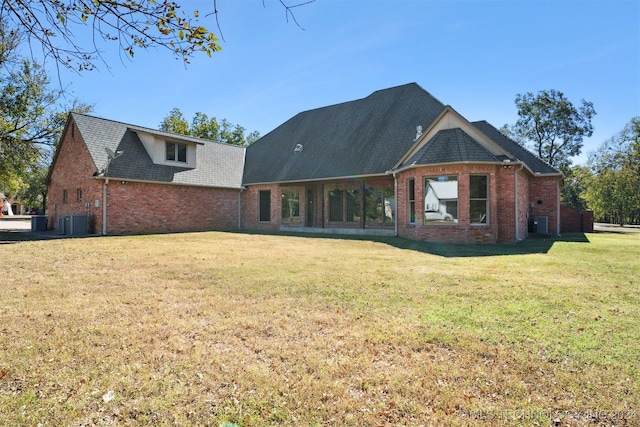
x: 176, y: 152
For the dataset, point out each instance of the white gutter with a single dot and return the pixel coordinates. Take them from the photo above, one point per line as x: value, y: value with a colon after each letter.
x: 395, y: 210
x: 558, y: 189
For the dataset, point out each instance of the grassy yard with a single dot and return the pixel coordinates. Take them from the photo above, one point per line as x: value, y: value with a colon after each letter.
x: 254, y: 330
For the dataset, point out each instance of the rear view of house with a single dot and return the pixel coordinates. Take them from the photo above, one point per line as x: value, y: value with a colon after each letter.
x: 398, y: 162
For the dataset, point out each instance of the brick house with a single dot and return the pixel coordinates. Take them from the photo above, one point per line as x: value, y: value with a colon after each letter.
x: 129, y: 180
x: 398, y: 162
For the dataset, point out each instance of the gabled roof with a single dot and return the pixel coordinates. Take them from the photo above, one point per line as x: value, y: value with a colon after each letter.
x: 218, y: 165
x: 451, y: 146
x: 357, y: 138
x: 531, y: 161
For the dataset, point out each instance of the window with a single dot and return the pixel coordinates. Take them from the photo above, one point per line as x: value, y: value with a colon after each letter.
x: 379, y: 204
x: 79, y: 194
x: 177, y: 152
x: 335, y: 205
x: 411, y: 202
x: 353, y: 205
x: 344, y: 205
x: 478, y: 199
x: 290, y: 205
x: 65, y: 196
x: 441, y: 199
x: 264, y: 205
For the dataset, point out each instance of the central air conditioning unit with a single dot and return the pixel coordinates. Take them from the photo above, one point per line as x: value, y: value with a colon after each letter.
x: 542, y: 224
x: 61, y: 222
x: 73, y: 225
x: 78, y: 225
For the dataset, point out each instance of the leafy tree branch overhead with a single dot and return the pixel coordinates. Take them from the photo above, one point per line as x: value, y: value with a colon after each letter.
x: 52, y: 24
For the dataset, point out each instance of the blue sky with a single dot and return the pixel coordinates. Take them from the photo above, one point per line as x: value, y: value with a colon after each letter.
x: 473, y: 55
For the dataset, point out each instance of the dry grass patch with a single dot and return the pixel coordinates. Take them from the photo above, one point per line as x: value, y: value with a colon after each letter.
x: 214, y: 328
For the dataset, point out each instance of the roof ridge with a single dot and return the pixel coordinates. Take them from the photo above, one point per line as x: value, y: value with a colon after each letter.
x: 370, y: 95
x: 155, y: 131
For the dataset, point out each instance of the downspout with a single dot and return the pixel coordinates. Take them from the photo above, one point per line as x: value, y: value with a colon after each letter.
x: 395, y: 172
x: 395, y: 209
x: 104, y: 206
x: 558, y: 189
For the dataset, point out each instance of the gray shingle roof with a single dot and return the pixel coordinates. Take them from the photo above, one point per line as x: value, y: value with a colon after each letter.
x: 451, y: 146
x: 536, y: 165
x: 218, y: 165
x: 357, y: 138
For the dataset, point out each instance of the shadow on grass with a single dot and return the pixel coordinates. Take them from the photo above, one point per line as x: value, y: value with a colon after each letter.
x: 532, y: 245
x: 8, y: 237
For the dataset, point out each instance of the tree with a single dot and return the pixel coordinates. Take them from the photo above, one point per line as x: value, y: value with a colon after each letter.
x: 208, y: 128
x: 33, y: 194
x: 32, y: 116
x: 577, y: 179
x: 204, y: 127
x: 53, y: 25
x: 552, y: 126
x: 175, y: 122
x: 614, y: 191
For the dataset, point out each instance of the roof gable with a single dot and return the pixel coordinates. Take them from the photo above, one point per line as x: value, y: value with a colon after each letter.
x: 357, y: 138
x: 451, y: 119
x: 451, y: 146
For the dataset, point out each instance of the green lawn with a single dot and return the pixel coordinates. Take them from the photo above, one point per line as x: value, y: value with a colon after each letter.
x: 254, y: 329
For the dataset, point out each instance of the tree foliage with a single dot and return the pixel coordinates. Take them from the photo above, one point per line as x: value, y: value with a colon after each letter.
x: 576, y: 183
x: 208, y: 128
x: 32, y: 115
x: 614, y: 191
x: 552, y: 126
x: 53, y: 27
x: 33, y: 192
x: 133, y: 24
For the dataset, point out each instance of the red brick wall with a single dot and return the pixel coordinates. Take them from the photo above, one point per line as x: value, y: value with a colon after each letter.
x: 73, y: 169
x: 250, y: 207
x: 505, y: 196
x: 139, y: 208
x: 544, y: 197
x: 502, y: 204
x: 572, y: 221
x: 524, y: 178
